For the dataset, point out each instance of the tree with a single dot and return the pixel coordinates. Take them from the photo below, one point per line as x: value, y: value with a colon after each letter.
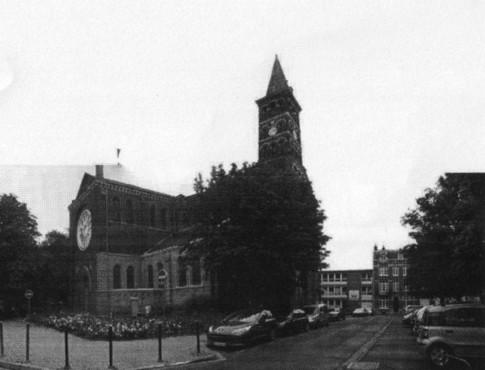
x: 54, y: 267
x: 260, y: 231
x: 448, y: 256
x: 18, y: 233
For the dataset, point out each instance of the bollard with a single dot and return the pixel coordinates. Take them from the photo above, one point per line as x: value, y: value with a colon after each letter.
x: 110, y: 339
x: 159, y: 342
x: 27, y: 343
x: 66, y: 350
x: 1, y: 340
x: 197, y: 333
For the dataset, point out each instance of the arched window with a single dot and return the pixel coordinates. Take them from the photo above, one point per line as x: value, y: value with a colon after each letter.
x: 159, y: 271
x: 182, y: 272
x: 130, y: 277
x: 150, y: 276
x: 129, y: 212
x: 117, y: 277
x: 196, y: 272
x: 152, y: 215
x: 116, y: 209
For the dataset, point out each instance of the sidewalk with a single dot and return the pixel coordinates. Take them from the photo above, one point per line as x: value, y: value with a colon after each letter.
x: 47, y: 349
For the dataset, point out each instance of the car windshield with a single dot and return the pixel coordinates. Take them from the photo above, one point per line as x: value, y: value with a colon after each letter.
x: 309, y: 309
x: 243, y: 317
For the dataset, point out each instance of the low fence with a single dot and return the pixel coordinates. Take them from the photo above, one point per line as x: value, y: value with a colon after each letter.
x: 157, y: 356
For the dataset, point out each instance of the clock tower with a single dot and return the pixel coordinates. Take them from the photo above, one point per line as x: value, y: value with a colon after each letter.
x: 279, y: 124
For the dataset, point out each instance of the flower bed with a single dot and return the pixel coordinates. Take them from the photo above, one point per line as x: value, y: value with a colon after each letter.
x: 93, y: 327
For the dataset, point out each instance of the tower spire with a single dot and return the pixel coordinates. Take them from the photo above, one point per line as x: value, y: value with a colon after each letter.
x: 277, y: 82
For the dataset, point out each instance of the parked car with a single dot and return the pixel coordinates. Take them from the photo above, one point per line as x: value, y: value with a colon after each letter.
x: 336, y: 314
x: 453, y: 330
x: 243, y: 327
x: 296, y: 322
x: 317, y: 315
x: 418, y: 319
x: 411, y: 308
x: 361, y: 312
x: 407, y: 319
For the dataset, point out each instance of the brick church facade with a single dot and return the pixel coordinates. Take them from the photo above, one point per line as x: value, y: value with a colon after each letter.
x: 128, y: 241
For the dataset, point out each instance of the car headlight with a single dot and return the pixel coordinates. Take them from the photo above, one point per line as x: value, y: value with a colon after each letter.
x: 312, y: 318
x: 241, y: 331
x: 211, y: 329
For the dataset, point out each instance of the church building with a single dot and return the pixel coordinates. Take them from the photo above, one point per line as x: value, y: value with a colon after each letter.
x: 128, y: 241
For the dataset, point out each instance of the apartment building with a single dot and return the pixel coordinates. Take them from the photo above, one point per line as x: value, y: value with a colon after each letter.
x: 347, y: 289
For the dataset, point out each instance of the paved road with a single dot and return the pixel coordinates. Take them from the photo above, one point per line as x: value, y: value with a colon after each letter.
x: 326, y: 348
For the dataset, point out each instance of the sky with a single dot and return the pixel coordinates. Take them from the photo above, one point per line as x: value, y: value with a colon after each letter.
x: 391, y: 91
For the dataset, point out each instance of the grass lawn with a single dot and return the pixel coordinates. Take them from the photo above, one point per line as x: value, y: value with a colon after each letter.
x: 47, y: 349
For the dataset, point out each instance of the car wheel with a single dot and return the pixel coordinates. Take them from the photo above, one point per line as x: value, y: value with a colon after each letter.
x: 438, y: 355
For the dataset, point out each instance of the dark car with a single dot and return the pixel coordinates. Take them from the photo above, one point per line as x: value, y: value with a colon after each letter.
x: 295, y: 322
x: 336, y: 314
x: 317, y: 315
x: 242, y: 328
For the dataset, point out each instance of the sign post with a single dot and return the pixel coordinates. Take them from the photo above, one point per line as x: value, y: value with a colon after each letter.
x: 162, y: 276
x: 28, y: 296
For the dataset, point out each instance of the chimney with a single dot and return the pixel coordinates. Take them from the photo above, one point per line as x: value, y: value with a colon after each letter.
x: 99, y: 171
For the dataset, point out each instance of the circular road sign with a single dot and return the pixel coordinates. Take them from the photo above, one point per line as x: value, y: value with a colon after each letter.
x: 28, y: 294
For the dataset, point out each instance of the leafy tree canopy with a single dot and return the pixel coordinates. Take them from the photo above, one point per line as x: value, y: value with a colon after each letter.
x: 54, y: 267
x: 259, y: 230
x: 448, y: 256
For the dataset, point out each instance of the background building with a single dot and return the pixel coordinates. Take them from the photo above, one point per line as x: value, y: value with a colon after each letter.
x: 347, y: 289
x: 390, y: 272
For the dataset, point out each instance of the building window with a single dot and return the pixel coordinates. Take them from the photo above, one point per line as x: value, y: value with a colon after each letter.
x: 196, y: 273
x: 383, y: 303
x: 182, y: 274
x: 382, y: 271
x: 152, y: 215
x: 116, y: 209
x: 395, y: 271
x: 404, y: 271
x: 400, y: 256
x: 383, y: 287
x: 159, y: 272
x: 150, y: 276
x: 130, y: 277
x: 129, y: 212
x: 395, y: 287
x: 117, y: 277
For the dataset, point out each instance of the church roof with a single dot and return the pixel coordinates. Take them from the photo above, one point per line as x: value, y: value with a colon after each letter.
x: 277, y: 82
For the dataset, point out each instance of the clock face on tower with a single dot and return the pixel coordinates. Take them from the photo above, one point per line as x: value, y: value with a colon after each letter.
x: 84, y: 228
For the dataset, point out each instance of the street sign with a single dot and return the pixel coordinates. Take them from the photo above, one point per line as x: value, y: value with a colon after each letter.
x: 28, y: 294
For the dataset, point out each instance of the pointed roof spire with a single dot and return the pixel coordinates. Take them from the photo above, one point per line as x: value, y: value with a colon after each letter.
x: 278, y: 80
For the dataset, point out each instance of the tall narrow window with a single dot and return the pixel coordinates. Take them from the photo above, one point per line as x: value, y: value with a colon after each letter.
x: 182, y: 274
x: 196, y: 273
x: 152, y: 215
x: 150, y: 276
x: 130, y: 277
x: 116, y: 209
x: 117, y: 277
x: 129, y: 212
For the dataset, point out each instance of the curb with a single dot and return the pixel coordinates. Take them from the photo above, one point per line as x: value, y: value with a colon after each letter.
x: 212, y: 357
x: 20, y: 366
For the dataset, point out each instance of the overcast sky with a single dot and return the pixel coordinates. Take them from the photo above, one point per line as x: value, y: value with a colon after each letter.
x: 392, y: 95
